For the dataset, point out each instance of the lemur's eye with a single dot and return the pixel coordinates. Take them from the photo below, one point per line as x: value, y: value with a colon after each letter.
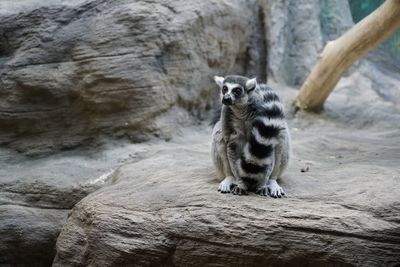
x: 237, y: 91
x: 224, y: 89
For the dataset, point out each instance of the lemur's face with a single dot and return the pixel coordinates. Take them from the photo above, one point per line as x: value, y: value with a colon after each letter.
x: 233, y: 94
x: 235, y: 90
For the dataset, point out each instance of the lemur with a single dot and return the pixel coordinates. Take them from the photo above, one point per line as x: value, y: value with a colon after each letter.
x: 250, y: 139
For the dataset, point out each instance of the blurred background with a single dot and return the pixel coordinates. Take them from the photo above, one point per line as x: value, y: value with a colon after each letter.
x: 362, y: 8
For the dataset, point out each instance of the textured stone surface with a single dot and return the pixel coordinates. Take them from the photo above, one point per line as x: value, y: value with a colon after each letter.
x: 174, y: 216
x: 84, y: 72
x: 36, y: 195
x: 71, y: 71
x: 294, y: 39
x: 297, y: 31
x: 343, y: 211
x: 28, y: 235
x: 335, y: 19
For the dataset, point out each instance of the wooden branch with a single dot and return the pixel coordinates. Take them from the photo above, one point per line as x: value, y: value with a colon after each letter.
x: 339, y: 54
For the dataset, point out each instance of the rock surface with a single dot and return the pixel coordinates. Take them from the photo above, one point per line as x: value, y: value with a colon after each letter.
x: 297, y: 31
x: 28, y: 234
x: 36, y: 195
x: 71, y: 71
x: 83, y: 72
x: 343, y: 211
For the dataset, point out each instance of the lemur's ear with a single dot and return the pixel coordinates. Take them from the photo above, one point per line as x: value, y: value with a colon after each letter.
x: 251, y: 85
x: 219, y: 80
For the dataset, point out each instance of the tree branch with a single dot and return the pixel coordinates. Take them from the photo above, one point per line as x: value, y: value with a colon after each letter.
x: 339, y: 54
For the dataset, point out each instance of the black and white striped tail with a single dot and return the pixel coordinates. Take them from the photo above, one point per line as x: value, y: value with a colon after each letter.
x: 257, y: 159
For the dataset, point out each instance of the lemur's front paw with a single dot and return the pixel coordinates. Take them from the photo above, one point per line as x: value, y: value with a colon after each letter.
x: 226, y: 185
x: 274, y: 189
x: 237, y: 190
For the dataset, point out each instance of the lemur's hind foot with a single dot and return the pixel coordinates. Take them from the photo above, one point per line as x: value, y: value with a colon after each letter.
x: 262, y: 190
x: 237, y: 190
x: 274, y: 189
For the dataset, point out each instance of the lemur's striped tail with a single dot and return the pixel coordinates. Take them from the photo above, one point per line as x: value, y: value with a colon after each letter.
x: 257, y: 157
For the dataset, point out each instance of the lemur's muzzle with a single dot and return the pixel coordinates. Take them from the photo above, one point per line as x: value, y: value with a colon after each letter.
x: 227, y: 101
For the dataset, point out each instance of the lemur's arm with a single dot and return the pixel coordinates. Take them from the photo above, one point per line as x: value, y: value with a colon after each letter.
x: 233, y: 150
x: 228, y: 137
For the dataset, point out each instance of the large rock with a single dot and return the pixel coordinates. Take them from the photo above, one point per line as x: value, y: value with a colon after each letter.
x: 36, y: 196
x: 28, y: 235
x: 76, y: 73
x: 71, y: 71
x: 335, y: 19
x: 343, y: 211
x: 297, y: 31
x: 294, y: 39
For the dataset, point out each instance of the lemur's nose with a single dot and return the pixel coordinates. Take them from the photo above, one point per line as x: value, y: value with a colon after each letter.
x: 227, y: 100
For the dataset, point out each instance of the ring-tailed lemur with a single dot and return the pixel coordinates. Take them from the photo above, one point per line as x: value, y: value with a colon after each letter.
x: 250, y: 140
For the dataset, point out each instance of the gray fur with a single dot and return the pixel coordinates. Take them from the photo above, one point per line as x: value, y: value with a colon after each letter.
x: 236, y: 79
x: 251, y: 141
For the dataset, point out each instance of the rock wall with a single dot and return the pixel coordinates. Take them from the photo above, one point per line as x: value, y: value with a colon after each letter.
x: 297, y: 31
x: 75, y: 74
x: 73, y: 71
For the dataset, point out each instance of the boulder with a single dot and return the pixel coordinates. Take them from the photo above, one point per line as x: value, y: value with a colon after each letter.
x: 342, y: 205
x: 73, y: 71
x: 28, y: 234
x: 343, y: 212
x: 75, y: 75
x: 36, y: 196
